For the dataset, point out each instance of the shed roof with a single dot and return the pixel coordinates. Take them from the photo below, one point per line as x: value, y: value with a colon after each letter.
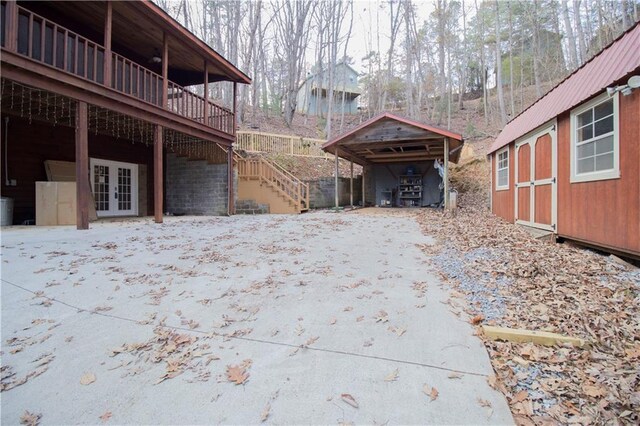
x: 388, y: 138
x: 613, y: 63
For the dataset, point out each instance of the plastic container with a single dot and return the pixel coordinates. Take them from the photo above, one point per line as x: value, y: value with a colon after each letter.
x: 453, y: 199
x: 6, y: 212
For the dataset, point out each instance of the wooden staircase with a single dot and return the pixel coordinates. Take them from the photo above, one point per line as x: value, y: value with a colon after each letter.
x: 266, y: 182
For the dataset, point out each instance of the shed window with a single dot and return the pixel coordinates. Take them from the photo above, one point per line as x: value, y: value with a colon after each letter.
x: 594, y: 140
x: 502, y: 169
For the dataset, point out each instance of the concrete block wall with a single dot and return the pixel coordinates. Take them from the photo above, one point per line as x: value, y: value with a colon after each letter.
x: 322, y: 195
x: 195, y: 187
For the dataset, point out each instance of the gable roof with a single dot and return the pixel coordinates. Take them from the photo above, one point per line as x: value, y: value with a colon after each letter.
x: 385, y: 131
x: 614, y: 62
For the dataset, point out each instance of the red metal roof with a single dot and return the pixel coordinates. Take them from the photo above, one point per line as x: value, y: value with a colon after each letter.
x: 613, y: 63
x: 391, y: 116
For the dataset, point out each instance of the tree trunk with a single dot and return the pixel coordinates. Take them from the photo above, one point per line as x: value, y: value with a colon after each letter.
x: 503, y: 113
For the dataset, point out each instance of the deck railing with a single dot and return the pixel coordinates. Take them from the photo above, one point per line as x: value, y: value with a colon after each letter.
x: 46, y: 42
x: 280, y: 144
x: 282, y: 181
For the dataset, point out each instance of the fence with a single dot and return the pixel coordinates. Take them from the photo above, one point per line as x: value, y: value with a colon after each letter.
x: 280, y: 144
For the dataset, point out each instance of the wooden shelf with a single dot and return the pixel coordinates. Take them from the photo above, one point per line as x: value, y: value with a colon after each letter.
x: 410, y: 191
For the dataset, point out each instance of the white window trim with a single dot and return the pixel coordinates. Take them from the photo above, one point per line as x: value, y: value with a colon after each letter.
x: 597, y: 175
x: 498, y: 186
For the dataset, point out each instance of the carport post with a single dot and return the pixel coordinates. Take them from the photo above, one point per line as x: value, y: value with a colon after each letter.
x: 446, y: 173
x: 363, y: 186
x: 82, y: 166
x: 336, y: 183
x: 351, y: 185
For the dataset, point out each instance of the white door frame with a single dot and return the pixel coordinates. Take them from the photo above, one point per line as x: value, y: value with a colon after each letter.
x: 531, y: 139
x: 113, y: 166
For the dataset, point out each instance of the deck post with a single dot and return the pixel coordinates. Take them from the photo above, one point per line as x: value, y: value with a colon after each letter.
x: 165, y: 70
x: 108, y: 25
x: 351, y: 185
x: 336, y: 181
x: 157, y: 174
x: 231, y: 195
x: 446, y: 173
x: 231, y: 203
x: 10, y: 27
x: 82, y: 166
x: 205, y: 80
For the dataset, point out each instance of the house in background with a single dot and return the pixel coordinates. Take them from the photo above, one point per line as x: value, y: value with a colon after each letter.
x: 570, y: 163
x: 313, y: 95
x: 107, y: 88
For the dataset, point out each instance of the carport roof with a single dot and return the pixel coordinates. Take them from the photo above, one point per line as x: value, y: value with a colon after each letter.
x: 388, y: 138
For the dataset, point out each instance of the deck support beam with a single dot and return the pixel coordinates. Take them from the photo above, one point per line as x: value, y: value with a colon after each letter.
x: 231, y: 194
x: 82, y: 166
x: 337, y: 196
x: 446, y: 173
x: 108, y: 26
x: 158, y: 191
x: 351, y: 184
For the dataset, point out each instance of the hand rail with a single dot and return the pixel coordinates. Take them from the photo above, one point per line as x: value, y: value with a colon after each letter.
x: 132, y: 79
x: 280, y: 144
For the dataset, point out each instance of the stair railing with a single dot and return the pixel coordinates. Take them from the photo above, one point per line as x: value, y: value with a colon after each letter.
x: 286, y: 184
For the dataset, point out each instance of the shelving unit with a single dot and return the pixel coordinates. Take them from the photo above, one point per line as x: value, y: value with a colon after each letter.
x: 410, y: 191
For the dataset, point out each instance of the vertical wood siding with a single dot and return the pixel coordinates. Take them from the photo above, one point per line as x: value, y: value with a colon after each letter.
x: 31, y: 144
x: 503, y: 200
x: 607, y: 212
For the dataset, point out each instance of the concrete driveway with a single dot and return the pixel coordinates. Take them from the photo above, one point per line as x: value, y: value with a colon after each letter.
x: 321, y: 318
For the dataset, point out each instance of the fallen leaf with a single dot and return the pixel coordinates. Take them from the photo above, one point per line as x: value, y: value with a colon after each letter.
x: 484, y: 402
x: 349, y: 400
x: 87, y: 379
x: 382, y: 317
x: 333, y: 321
x: 431, y: 392
x: 392, y: 377
x: 265, y: 413
x: 106, y: 416
x: 477, y: 319
x: 594, y: 391
x: 455, y: 376
x: 237, y: 374
x: 30, y: 419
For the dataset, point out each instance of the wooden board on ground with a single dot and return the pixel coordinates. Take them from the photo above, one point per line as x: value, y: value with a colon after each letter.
x: 60, y: 171
x: 520, y: 335
x: 56, y: 204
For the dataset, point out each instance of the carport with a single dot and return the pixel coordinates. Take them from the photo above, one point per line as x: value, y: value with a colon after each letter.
x: 405, y: 162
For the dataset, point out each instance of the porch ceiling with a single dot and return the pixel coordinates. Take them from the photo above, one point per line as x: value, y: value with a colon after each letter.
x: 388, y: 138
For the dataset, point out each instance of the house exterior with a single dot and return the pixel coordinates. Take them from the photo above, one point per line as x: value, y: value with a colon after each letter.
x: 117, y: 90
x: 313, y: 95
x: 570, y: 163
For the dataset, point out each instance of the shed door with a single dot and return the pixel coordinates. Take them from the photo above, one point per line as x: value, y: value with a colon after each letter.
x: 536, y: 186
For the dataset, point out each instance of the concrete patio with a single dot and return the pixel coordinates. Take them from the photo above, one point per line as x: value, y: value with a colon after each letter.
x: 311, y: 307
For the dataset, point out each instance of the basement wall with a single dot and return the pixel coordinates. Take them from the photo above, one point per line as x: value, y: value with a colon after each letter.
x: 386, y: 177
x: 195, y: 187
x: 322, y: 195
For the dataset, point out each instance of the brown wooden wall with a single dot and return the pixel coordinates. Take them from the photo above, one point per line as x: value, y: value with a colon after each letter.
x: 502, y: 201
x: 31, y: 144
x: 605, y: 213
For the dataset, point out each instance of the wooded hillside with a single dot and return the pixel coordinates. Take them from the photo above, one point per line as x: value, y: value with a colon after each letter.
x: 424, y: 59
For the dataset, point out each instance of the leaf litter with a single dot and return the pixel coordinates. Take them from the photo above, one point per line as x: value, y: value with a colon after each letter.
x: 504, y: 277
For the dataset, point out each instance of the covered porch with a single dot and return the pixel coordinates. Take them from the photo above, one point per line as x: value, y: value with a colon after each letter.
x: 405, y: 162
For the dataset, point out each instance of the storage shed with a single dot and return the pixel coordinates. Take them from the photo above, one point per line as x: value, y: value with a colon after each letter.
x: 569, y: 164
x: 405, y: 162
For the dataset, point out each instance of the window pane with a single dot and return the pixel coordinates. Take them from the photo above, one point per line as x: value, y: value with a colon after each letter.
x: 585, y: 133
x: 604, y: 126
x: 586, y: 165
x: 585, y: 118
x: 586, y: 150
x: 604, y: 162
x: 503, y: 177
x: 604, y: 109
x: 604, y: 145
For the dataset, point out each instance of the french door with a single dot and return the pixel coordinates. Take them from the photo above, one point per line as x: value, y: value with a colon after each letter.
x: 115, y: 187
x: 536, y: 179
